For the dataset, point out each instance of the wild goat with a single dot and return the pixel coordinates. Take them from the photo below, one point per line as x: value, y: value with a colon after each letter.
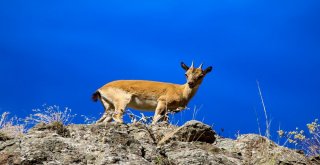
x: 145, y: 95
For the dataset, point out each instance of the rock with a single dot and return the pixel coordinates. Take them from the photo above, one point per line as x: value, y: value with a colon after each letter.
x: 137, y: 143
x: 191, y: 131
x: 196, y: 153
x: 161, y: 129
x: 4, y: 136
x: 56, y: 127
x: 225, y: 143
x: 10, y: 158
x: 315, y: 159
x: 256, y: 149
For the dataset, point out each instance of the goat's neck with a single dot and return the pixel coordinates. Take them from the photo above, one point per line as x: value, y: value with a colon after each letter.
x: 188, y: 92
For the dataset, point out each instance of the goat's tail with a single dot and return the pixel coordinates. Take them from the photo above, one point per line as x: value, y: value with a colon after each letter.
x: 95, y: 96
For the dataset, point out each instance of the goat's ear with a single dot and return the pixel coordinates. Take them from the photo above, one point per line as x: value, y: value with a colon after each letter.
x: 209, y: 69
x: 184, y: 66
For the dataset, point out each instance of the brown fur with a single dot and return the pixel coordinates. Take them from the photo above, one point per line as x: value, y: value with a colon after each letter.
x: 148, y: 95
x: 170, y: 93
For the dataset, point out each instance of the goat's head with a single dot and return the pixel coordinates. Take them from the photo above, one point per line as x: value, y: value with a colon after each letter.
x: 195, y: 75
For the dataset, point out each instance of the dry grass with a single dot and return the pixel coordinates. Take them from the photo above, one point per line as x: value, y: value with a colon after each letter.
x: 308, y: 142
x: 10, y: 126
x: 176, y: 117
x: 88, y: 119
x: 50, y: 114
x: 139, y: 119
x: 170, y: 115
x: 268, y: 123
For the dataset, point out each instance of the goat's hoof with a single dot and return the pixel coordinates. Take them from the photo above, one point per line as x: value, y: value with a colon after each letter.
x: 118, y: 120
x: 107, y: 120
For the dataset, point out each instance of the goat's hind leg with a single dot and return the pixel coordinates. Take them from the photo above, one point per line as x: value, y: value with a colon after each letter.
x: 119, y: 111
x: 108, y: 110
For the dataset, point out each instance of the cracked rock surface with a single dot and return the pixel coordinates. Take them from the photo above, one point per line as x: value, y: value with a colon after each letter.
x: 136, y: 143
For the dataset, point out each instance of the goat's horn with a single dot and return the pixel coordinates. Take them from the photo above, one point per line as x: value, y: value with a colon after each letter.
x: 191, y: 65
x: 200, y: 67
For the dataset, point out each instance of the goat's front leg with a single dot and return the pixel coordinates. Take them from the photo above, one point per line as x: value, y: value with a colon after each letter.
x: 160, y: 113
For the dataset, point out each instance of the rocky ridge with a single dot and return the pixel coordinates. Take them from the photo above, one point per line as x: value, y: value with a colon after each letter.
x: 137, y: 143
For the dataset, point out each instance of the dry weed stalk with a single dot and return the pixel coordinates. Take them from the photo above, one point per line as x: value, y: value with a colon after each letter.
x: 265, y: 112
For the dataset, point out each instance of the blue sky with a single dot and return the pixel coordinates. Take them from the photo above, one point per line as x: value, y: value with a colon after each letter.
x: 60, y: 52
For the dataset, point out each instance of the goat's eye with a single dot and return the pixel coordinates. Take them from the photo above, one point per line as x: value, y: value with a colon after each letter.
x: 186, y: 75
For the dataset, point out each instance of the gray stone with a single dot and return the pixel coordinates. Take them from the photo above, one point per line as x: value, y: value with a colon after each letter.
x: 137, y: 143
x: 191, y: 131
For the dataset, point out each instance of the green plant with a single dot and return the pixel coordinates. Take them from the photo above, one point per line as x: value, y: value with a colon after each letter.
x: 161, y: 160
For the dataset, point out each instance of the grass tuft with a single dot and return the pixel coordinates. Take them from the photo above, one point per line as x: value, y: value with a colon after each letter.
x: 10, y: 127
x: 51, y: 114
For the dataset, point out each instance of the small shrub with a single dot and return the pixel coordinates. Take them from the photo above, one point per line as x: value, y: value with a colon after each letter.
x: 59, y: 128
x: 51, y: 114
x: 161, y: 160
x: 310, y: 142
x: 55, y: 126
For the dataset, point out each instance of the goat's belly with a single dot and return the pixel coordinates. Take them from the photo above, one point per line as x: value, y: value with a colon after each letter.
x: 143, y: 104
